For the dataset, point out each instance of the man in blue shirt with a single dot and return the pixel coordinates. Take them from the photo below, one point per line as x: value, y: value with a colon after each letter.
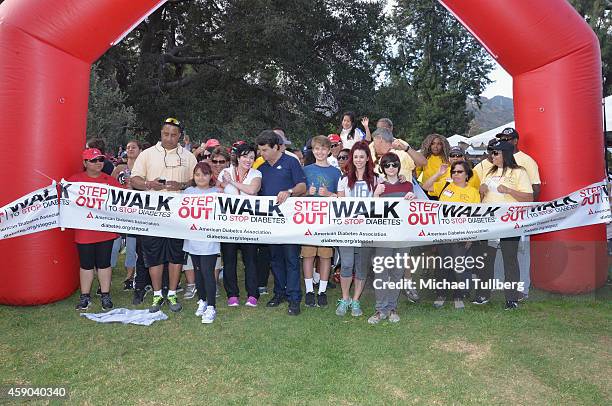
x: 282, y: 176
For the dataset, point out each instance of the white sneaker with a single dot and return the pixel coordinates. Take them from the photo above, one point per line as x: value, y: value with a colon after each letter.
x: 209, y: 315
x: 190, y: 291
x: 201, y: 308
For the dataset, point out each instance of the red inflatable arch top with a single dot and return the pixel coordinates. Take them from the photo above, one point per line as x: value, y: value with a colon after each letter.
x: 48, y: 46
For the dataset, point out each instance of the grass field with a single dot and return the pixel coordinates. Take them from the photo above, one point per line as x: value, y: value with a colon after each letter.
x: 553, y: 350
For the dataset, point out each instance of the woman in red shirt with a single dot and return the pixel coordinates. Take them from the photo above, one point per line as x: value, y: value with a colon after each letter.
x: 94, y: 246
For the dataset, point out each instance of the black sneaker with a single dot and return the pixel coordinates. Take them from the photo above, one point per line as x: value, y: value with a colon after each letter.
x: 99, y: 291
x: 276, y: 301
x: 107, y: 304
x: 322, y: 299
x: 294, y: 308
x: 128, y: 284
x: 309, y: 299
x: 511, y: 305
x: 84, y: 302
x: 480, y: 300
x: 139, y: 295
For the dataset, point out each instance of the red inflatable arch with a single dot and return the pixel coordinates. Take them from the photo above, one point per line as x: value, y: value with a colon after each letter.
x: 48, y: 46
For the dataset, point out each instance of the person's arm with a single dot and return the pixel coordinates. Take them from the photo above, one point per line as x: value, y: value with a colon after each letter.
x: 365, y: 122
x: 297, y: 190
x: 139, y: 183
x: 429, y: 183
x: 536, y: 192
x: 519, y: 196
x: 250, y: 189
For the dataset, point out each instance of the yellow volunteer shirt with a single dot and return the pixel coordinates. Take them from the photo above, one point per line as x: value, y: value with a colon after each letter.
x: 157, y: 162
x: 482, y: 168
x: 407, y: 164
x: 433, y: 166
x: 258, y: 162
x: 530, y: 166
x: 516, y: 179
x: 439, y: 184
x: 455, y: 193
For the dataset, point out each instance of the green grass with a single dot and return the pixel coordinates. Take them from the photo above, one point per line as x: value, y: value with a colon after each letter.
x: 554, y: 350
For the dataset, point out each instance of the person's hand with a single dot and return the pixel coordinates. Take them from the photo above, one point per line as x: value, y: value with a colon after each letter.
x: 410, y: 196
x: 483, y: 189
x: 503, y: 189
x: 443, y: 169
x: 198, y: 151
x: 282, y: 197
x: 380, y: 189
x: 155, y: 185
x: 323, y: 191
x: 173, y: 186
x: 227, y: 178
x: 401, y: 179
x: 312, y: 190
x: 186, y: 139
x: 365, y: 122
x: 399, y: 144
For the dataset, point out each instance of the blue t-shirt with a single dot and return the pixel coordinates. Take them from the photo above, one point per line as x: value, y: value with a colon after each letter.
x: 284, y: 175
x: 318, y: 176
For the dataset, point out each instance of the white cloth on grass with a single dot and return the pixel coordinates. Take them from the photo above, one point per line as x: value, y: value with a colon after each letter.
x: 127, y: 316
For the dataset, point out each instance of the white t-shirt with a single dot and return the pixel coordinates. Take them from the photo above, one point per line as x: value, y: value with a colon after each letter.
x: 201, y: 247
x: 231, y: 189
x: 360, y: 188
x: 358, y: 136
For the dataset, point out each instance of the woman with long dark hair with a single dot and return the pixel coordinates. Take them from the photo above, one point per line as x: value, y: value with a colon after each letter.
x: 349, y: 132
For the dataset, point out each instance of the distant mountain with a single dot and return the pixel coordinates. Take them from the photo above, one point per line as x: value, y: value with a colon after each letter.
x: 494, y: 112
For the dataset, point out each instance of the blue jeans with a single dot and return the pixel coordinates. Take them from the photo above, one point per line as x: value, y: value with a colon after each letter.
x: 130, y: 253
x: 285, y: 261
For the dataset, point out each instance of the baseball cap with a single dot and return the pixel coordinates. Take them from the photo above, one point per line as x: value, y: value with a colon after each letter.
x: 507, y: 132
x: 456, y: 150
x: 283, y: 139
x: 334, y: 138
x: 501, y: 146
x: 211, y: 143
x: 91, y: 153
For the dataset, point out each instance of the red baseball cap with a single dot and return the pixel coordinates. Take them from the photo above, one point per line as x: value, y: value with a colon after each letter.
x: 91, y: 153
x: 334, y: 138
x: 211, y: 143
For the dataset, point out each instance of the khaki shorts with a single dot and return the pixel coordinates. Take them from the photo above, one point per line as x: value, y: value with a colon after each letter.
x: 308, y: 251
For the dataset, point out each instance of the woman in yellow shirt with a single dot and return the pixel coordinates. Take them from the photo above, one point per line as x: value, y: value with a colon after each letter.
x: 435, y: 148
x: 505, y: 182
x: 436, y: 183
x: 461, y: 192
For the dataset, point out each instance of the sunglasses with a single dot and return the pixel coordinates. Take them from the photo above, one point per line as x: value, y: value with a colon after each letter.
x: 455, y: 155
x: 96, y: 160
x: 172, y: 121
x: 218, y: 162
x: 454, y: 172
x: 206, y: 156
x: 342, y: 157
x: 334, y: 145
x: 495, y: 153
x: 504, y: 138
x: 391, y: 165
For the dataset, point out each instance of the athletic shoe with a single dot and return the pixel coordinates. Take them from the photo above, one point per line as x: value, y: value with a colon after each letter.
x: 201, y: 308
x: 158, y: 301
x: 309, y: 299
x: 377, y: 317
x: 522, y: 297
x: 356, y: 308
x: 139, y: 295
x: 342, y: 306
x: 107, y: 304
x: 322, y: 299
x: 251, y: 301
x: 233, y: 302
x: 190, y: 291
x: 263, y: 290
x: 173, y: 304
x: 84, y: 302
x: 179, y: 288
x: 294, y: 308
x: 99, y: 291
x: 511, y: 305
x: 209, y: 315
x: 276, y: 301
x: 394, y: 317
x: 412, y: 295
x: 439, y: 302
x: 128, y: 284
x: 459, y: 304
x: 480, y: 300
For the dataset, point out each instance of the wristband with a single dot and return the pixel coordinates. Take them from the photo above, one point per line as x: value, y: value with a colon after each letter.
x: 408, y: 148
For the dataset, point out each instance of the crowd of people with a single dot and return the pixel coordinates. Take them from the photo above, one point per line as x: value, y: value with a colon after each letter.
x: 354, y: 162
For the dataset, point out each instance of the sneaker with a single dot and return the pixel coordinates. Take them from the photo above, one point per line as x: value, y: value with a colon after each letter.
x: 511, y: 305
x: 356, y: 308
x: 294, y: 308
x: 251, y: 301
x: 394, y: 317
x: 233, y: 302
x: 263, y: 290
x: 201, y: 308
x: 377, y: 317
x: 209, y: 315
x: 179, y: 288
x: 322, y: 299
x: 128, y: 284
x: 173, y: 304
x: 276, y: 301
x: 99, y: 291
x: 84, y: 302
x: 522, y: 297
x: 107, y: 303
x: 412, y: 295
x: 439, y: 302
x: 158, y: 301
x: 190, y: 291
x: 309, y: 299
x: 342, y: 306
x: 480, y: 300
x: 139, y: 295
x: 459, y: 304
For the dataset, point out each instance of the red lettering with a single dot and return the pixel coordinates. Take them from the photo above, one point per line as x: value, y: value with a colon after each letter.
x: 93, y: 191
x: 421, y: 218
x: 194, y: 212
x: 308, y: 218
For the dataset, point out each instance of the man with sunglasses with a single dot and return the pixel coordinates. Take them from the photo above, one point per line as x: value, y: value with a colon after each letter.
x: 336, y: 147
x: 165, y: 166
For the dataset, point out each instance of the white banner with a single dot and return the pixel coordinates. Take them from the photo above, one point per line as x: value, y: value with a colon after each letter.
x: 321, y: 221
x: 37, y: 211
